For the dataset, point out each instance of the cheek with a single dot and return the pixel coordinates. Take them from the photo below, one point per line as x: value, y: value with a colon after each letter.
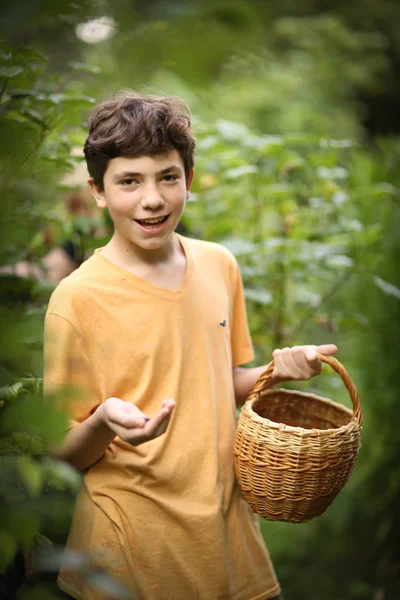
x: 178, y: 196
x: 122, y: 205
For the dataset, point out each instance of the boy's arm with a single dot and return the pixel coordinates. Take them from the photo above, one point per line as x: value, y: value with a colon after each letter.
x: 95, y: 422
x: 86, y: 443
x: 299, y: 362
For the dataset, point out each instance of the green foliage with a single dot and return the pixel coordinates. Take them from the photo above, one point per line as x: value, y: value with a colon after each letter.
x: 8, y: 548
x: 283, y: 205
x: 26, y: 427
x: 36, y: 123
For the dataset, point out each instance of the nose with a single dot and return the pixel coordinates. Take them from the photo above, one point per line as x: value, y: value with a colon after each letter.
x: 152, y: 198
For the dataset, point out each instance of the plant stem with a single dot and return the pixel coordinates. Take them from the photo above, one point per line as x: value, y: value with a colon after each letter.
x: 3, y: 87
x: 331, y: 292
x: 278, y: 335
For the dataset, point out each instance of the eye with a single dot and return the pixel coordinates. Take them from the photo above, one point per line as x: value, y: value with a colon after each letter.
x: 170, y: 178
x: 127, y: 182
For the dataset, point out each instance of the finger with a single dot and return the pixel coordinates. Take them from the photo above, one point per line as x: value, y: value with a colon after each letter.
x: 170, y: 403
x: 285, y: 367
x: 153, y: 429
x: 159, y: 423
x: 293, y: 362
x: 277, y: 371
x: 162, y: 428
x: 303, y: 362
x: 311, y: 355
x: 327, y: 349
x: 313, y: 363
x: 142, y: 428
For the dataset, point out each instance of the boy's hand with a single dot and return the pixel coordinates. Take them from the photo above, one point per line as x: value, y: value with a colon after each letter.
x: 299, y: 362
x: 131, y: 425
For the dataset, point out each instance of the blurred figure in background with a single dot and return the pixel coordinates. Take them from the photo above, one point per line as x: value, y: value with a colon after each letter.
x: 61, y: 260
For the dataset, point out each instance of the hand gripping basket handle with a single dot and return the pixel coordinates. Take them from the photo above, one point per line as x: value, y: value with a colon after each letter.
x: 336, y: 366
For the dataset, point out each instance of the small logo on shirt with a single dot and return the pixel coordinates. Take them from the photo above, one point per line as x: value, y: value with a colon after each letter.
x: 223, y: 323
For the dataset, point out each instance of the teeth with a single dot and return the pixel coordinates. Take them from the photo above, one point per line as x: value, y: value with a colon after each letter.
x: 150, y: 221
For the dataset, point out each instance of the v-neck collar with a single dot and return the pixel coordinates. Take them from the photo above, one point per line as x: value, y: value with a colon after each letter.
x: 124, y: 274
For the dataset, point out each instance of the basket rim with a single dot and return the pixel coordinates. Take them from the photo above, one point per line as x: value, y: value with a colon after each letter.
x: 248, y: 407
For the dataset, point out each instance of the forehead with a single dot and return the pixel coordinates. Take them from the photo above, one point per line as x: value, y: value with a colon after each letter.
x: 145, y: 164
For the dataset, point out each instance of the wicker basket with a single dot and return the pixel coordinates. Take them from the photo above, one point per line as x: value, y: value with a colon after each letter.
x: 295, y: 451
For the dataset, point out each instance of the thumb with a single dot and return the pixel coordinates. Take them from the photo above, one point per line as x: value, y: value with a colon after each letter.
x: 327, y: 349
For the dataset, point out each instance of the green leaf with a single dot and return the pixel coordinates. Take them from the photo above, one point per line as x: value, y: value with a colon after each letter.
x: 265, y: 144
x: 275, y: 243
x: 207, y: 142
x: 305, y: 296
x: 15, y: 115
x: 61, y: 475
x: 34, y: 384
x: 384, y: 188
x: 11, y: 71
x: 22, y: 525
x: 290, y: 161
x: 231, y: 131
x: 240, y: 171
x: 351, y: 224
x: 28, y: 56
x: 31, y: 473
x: 57, y: 98
x: 387, y: 288
x: 11, y: 392
x: 38, y: 591
x: 277, y: 190
x: 258, y: 295
x: 22, y: 441
x: 77, y: 98
x: 34, y: 115
x: 334, y: 173
x: 84, y: 67
x: 38, y: 445
x: 8, y: 549
x: 238, y: 246
x: 339, y: 261
x: 24, y: 93
x: 29, y: 414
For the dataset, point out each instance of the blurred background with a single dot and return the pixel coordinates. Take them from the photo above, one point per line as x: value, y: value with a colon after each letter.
x: 296, y: 109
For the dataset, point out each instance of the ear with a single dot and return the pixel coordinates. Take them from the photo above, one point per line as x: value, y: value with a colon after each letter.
x: 189, y: 183
x: 98, y: 194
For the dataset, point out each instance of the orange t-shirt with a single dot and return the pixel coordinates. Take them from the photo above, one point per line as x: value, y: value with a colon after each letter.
x: 165, y: 518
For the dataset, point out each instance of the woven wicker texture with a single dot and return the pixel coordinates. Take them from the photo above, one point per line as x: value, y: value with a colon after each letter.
x: 295, y: 451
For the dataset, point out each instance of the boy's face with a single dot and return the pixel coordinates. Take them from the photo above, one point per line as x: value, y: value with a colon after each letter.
x: 145, y: 196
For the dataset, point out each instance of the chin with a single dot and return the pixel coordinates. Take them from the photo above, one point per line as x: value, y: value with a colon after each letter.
x: 151, y: 244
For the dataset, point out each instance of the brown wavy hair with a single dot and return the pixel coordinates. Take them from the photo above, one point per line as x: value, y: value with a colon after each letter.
x: 131, y: 124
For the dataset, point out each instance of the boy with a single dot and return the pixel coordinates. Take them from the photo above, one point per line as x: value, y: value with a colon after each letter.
x: 151, y: 332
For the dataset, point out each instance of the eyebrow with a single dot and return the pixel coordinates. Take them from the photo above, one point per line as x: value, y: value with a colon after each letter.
x: 131, y: 174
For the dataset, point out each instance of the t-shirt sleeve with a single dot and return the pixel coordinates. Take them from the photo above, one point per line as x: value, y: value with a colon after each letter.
x: 68, y: 374
x: 242, y: 347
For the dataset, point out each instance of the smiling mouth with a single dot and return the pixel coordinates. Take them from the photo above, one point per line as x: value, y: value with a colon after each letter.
x: 152, y: 222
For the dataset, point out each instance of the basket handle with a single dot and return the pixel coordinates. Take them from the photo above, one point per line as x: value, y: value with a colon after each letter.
x: 264, y: 379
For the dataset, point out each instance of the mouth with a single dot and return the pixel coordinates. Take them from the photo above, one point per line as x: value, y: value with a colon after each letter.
x: 150, y: 222
x: 152, y: 225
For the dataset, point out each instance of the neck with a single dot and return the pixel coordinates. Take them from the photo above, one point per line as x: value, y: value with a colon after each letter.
x: 125, y: 254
